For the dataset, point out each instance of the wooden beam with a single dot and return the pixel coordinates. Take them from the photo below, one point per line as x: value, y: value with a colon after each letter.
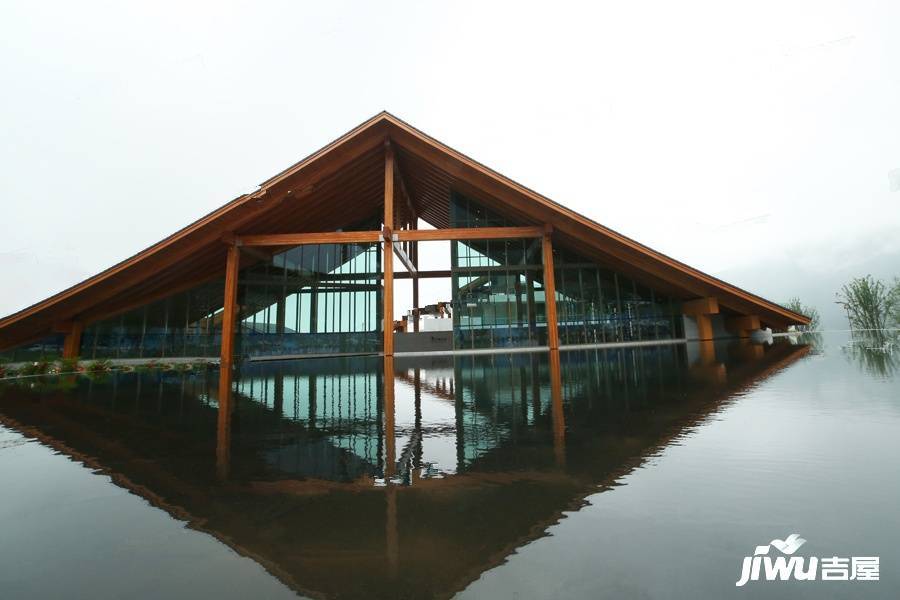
x: 473, y: 233
x: 388, y: 253
x: 700, y: 306
x: 388, y: 185
x: 437, y: 274
x: 229, y: 321
x: 407, y: 262
x: 550, y: 294
x: 405, y: 192
x: 72, y: 342
x: 254, y: 252
x: 299, y: 239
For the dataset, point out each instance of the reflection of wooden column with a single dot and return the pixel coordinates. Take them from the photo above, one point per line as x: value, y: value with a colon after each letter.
x: 559, y: 418
x: 390, y: 449
x: 229, y: 318
x: 72, y: 342
x: 312, y: 401
x: 417, y: 398
x: 747, y: 350
x: 223, y: 436
x: 707, y: 352
x: 550, y: 292
x: 459, y: 410
x: 392, y: 533
x: 707, y: 367
x: 388, y: 252
x: 278, y: 393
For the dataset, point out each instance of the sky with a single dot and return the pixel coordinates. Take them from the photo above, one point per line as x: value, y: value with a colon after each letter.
x: 754, y: 141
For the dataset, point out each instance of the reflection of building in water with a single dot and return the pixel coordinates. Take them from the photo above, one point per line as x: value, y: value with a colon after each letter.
x: 491, y: 451
x: 304, y: 265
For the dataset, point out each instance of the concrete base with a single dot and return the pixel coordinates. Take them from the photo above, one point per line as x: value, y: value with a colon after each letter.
x: 423, y: 341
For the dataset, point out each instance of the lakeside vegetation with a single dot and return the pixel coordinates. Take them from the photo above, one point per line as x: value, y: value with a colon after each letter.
x: 95, y: 368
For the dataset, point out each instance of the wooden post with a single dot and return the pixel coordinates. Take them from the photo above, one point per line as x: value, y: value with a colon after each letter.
x: 229, y: 317
x: 704, y: 327
x: 550, y: 291
x: 701, y: 309
x: 414, y: 251
x: 72, y: 343
x: 280, y: 306
x: 388, y: 252
x: 742, y: 326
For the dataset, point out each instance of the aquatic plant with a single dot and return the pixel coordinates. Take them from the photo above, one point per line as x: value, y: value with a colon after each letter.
x: 7, y: 371
x: 100, y: 366
x: 875, y: 354
x: 812, y: 312
x: 69, y: 365
x: 870, y: 304
x: 39, y: 367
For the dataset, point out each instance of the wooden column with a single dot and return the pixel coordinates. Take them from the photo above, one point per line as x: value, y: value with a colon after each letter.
x: 280, y: 306
x: 550, y: 291
x: 72, y: 343
x: 414, y: 251
x: 742, y: 326
x: 701, y: 309
x: 388, y: 255
x: 229, y: 317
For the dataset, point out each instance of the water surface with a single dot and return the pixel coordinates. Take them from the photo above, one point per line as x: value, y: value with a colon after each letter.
x: 636, y: 473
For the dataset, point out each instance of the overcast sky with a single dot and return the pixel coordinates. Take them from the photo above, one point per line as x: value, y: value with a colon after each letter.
x: 754, y: 141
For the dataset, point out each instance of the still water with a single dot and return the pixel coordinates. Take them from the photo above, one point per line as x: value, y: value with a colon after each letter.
x: 621, y: 473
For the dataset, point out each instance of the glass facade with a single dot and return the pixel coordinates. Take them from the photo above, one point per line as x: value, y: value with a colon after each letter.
x: 48, y: 348
x: 188, y: 323
x: 596, y: 305
x: 328, y: 299
x: 498, y: 293
x: 317, y: 299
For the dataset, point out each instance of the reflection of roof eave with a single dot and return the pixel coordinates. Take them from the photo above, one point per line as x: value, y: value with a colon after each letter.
x: 723, y: 399
x: 574, y: 489
x: 156, y: 500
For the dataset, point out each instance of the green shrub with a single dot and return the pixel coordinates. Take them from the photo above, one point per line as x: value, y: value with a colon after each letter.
x: 795, y: 305
x: 100, y: 366
x: 39, y: 367
x: 69, y: 365
x: 870, y: 304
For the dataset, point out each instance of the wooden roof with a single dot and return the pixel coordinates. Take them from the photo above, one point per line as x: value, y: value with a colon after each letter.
x: 348, y: 173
